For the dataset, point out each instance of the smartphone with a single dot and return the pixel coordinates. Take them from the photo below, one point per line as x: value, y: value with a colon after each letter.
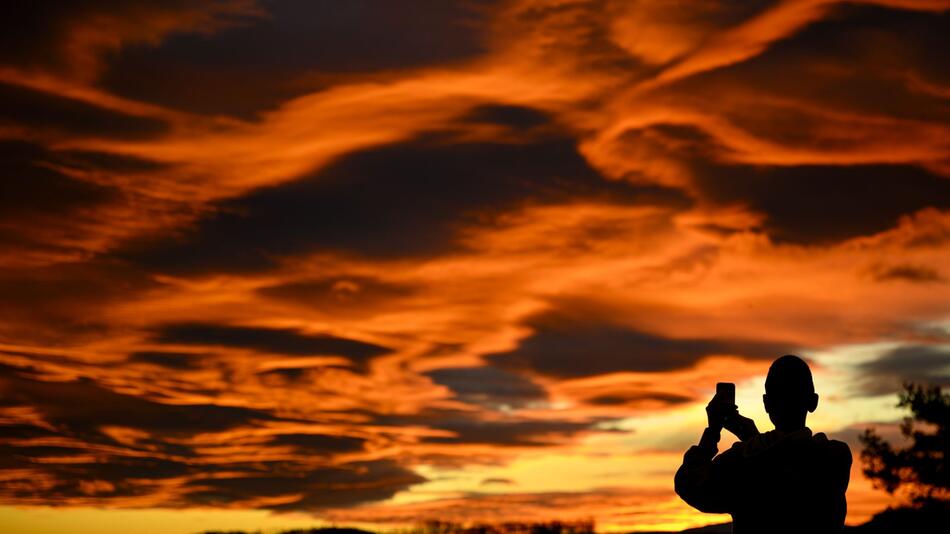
x: 726, y: 393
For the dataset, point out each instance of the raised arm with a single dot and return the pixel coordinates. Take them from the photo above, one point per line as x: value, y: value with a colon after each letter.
x: 698, y: 481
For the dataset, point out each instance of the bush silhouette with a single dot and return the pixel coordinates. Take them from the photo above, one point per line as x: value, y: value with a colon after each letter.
x: 920, y: 467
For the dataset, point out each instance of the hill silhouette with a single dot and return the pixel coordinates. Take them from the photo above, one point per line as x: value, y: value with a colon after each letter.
x: 322, y: 530
x: 890, y: 521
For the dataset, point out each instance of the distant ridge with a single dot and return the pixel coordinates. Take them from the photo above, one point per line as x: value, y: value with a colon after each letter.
x: 721, y: 528
x: 933, y: 518
x: 890, y: 521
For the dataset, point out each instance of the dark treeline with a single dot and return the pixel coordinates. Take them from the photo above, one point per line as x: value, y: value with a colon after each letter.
x: 512, y: 527
x: 891, y: 521
x: 447, y: 527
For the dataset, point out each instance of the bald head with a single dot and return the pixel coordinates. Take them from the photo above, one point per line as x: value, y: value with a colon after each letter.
x: 789, y: 393
x: 789, y: 376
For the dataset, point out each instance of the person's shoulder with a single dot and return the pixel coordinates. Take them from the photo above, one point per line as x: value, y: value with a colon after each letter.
x: 758, y: 444
x: 838, y: 450
x: 735, y: 453
x: 841, y: 450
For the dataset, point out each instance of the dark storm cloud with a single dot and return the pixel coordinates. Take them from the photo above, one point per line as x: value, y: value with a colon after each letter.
x: 299, y: 46
x: 29, y: 187
x: 488, y: 427
x: 489, y: 386
x: 818, y: 204
x: 404, y: 200
x: 276, y: 340
x: 118, y: 469
x: 345, y: 485
x: 515, y: 432
x: 802, y: 204
x: 348, y: 295
x: 37, y: 110
x: 81, y: 407
x: 588, y: 41
x: 858, y: 59
x: 517, y: 117
x: 319, y: 443
x: 55, y: 303
x: 570, y: 346
x: 42, y: 451
x: 181, y: 361
x: 87, y: 160
x: 22, y: 430
x: 285, y: 375
x: 68, y: 469
x: 70, y: 476
x: 48, y: 210
x: 69, y: 37
x: 918, y: 274
x: 926, y: 364
x: 107, y: 477
x: 79, y: 412
x: 634, y: 397
x: 861, y: 61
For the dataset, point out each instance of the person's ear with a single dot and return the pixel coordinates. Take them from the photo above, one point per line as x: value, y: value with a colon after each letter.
x: 765, y: 401
x: 813, y: 402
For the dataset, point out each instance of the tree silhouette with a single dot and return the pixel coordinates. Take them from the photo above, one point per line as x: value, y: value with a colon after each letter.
x: 920, y: 467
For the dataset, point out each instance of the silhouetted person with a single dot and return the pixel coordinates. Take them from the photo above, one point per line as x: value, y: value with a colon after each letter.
x: 785, y: 480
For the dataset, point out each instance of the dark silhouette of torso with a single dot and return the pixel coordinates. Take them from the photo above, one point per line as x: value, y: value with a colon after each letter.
x: 783, y: 481
x: 774, y: 482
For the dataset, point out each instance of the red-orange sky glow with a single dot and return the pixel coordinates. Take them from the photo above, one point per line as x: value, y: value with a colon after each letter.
x: 378, y: 262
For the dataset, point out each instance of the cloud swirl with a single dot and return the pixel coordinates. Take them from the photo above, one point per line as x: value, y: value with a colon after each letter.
x: 388, y: 263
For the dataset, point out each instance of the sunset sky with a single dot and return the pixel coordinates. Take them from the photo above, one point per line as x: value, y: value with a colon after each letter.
x: 289, y: 263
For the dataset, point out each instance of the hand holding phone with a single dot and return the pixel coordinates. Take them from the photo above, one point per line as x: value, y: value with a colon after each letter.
x: 721, y: 404
x: 726, y: 393
x: 728, y: 413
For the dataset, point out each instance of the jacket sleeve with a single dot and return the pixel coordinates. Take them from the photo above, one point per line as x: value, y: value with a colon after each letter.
x: 842, y: 476
x: 703, y: 481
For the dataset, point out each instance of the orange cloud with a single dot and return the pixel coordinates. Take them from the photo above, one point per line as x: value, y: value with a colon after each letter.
x: 372, y: 278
